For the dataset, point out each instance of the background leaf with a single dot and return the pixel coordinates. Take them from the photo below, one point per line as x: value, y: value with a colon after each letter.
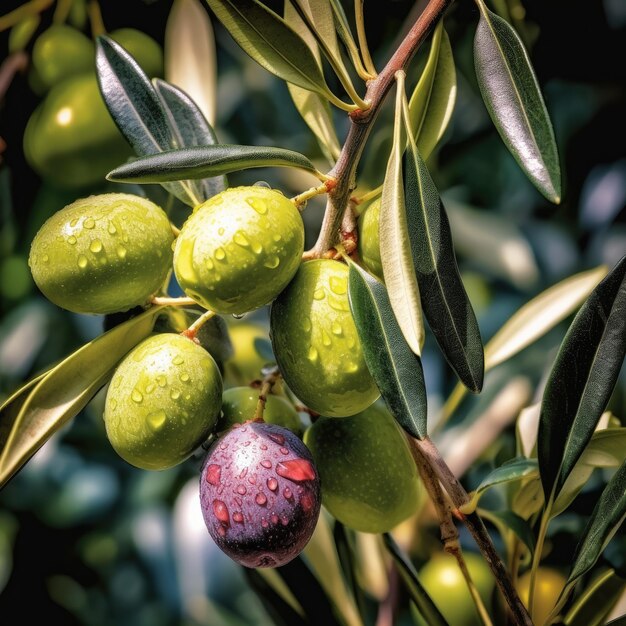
x: 267, y: 38
x: 510, y: 90
x: 444, y: 300
x: 206, y: 161
x: 395, y: 368
x: 512, y: 470
x: 66, y: 389
x: 595, y: 603
x: 190, y: 55
x: 582, y: 380
x: 432, y: 102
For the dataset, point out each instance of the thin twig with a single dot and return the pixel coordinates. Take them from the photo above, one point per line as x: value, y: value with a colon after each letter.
x: 266, y: 387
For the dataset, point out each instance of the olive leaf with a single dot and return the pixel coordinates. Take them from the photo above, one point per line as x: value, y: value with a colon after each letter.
x: 313, y: 108
x: 507, y: 520
x: 61, y: 393
x: 206, y: 161
x: 190, y: 55
x: 443, y: 297
x: 395, y: 368
x: 582, y: 380
x: 272, y: 43
x: 432, y: 101
x: 427, y: 608
x: 606, y: 518
x: 593, y: 606
x: 397, y: 241
x: 149, y: 122
x: 511, y: 93
x: 190, y: 128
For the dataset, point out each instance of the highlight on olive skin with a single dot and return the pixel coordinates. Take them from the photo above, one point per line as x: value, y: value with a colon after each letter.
x: 260, y: 494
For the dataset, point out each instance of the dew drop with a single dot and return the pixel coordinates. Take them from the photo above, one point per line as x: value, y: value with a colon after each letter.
x: 112, y: 230
x: 95, y: 246
x: 45, y: 258
x: 279, y: 439
x: 338, y: 285
x: 272, y: 262
x: 257, y: 248
x: 238, y: 517
x: 157, y: 419
x: 287, y: 493
x: 72, y: 240
x: 274, y: 518
x: 74, y: 222
x: 336, y: 328
x: 178, y: 360
x: 260, y: 499
x: 89, y: 223
x: 306, y: 324
x: 214, y: 474
x: 277, y: 237
x: 260, y: 206
x: 241, y: 490
x: 221, y: 512
x: 113, y: 404
x: 339, y: 304
x: 326, y: 340
x: 284, y: 451
x: 175, y: 394
x: 136, y: 396
x: 266, y: 464
x: 264, y: 523
x: 220, y: 231
x: 306, y: 502
x: 161, y: 380
x: 184, y: 377
x: 262, y: 183
x: 221, y: 531
x: 351, y: 368
x: 284, y: 520
x: 121, y: 252
x: 82, y: 261
x: 220, y: 255
x: 240, y: 239
x: 296, y: 470
x: 272, y: 484
x: 319, y: 294
x: 209, y: 264
x: 150, y: 388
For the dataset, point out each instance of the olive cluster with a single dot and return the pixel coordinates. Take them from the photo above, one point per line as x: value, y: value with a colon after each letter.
x: 242, y: 249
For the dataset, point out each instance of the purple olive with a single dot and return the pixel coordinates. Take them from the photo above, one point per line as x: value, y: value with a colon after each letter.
x: 260, y: 494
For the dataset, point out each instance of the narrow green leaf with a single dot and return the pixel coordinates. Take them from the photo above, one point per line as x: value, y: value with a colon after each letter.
x: 190, y: 54
x: 619, y: 621
x: 512, y: 470
x: 190, y: 128
x: 346, y: 550
x: 511, y: 93
x: 137, y: 109
x: 540, y: 315
x: 582, y: 380
x: 507, y: 520
x: 395, y: 368
x: 595, y: 603
x: 271, y: 42
x: 444, y: 300
x: 345, y: 34
x: 607, y: 449
x: 427, y: 608
x: 432, y: 102
x: 320, y: 14
x: 206, y: 162
x: 606, y: 518
x: 281, y: 612
x: 395, y: 240
x: 63, y: 391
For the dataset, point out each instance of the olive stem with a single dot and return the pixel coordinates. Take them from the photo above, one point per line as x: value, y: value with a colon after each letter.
x: 371, y: 195
x: 175, y: 229
x: 26, y: 10
x: 62, y: 11
x: 459, y: 497
x: 167, y: 301
x: 361, y: 123
x: 192, y: 331
x: 266, y: 387
x: 360, y: 29
x: 95, y: 18
x: 302, y: 198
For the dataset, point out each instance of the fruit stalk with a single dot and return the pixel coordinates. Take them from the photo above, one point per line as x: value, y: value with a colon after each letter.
x: 266, y: 387
x: 459, y: 498
x: 361, y: 123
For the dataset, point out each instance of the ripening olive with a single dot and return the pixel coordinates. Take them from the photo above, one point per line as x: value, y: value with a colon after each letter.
x: 260, y: 494
x: 163, y: 401
x: 60, y: 52
x: 368, y: 475
x: 102, y: 254
x: 548, y: 586
x: 238, y: 250
x: 145, y: 50
x: 239, y: 405
x: 70, y: 138
x: 316, y: 342
x: 369, y: 243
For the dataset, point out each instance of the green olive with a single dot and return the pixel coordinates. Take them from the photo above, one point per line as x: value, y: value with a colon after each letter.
x: 369, y: 243
x: 369, y: 479
x: 238, y: 250
x: 316, y: 342
x: 246, y: 363
x: 548, y: 586
x: 163, y: 401
x: 239, y: 405
x: 61, y: 52
x: 103, y: 253
x: 145, y: 50
x: 443, y: 581
x: 70, y: 138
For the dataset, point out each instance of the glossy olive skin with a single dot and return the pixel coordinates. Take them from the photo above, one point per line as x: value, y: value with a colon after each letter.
x: 239, y: 249
x: 145, y: 50
x: 246, y: 363
x: 548, y: 586
x: 260, y: 494
x: 61, y: 52
x: 102, y: 254
x: 70, y: 138
x: 316, y: 342
x: 443, y: 581
x: 163, y: 401
x: 239, y: 405
x: 369, y: 478
x: 369, y: 242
